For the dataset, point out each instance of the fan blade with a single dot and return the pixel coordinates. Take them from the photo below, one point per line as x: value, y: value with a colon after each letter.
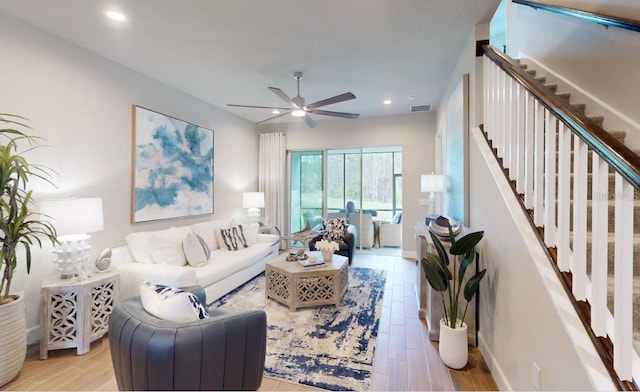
x: 257, y: 107
x: 329, y: 101
x: 309, y: 121
x: 271, y: 118
x: 282, y: 96
x: 352, y: 116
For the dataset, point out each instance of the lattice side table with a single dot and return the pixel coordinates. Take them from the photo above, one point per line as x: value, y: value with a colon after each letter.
x: 76, y: 312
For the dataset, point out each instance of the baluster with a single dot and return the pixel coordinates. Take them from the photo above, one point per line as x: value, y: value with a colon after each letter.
x: 528, y: 152
x: 564, y: 197
x: 550, y: 179
x: 491, y: 104
x: 487, y: 93
x: 500, y: 112
x: 623, y: 279
x: 538, y: 181
x: 507, y: 123
x: 579, y: 249
x: 510, y: 135
x: 599, y: 244
x: 519, y: 145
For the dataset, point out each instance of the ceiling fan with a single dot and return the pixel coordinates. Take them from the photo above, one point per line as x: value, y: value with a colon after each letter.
x: 298, y: 108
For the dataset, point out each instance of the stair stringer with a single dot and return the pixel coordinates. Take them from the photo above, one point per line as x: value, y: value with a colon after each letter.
x: 525, y: 313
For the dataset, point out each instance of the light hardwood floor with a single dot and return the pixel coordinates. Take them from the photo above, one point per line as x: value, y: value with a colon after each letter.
x: 405, y: 359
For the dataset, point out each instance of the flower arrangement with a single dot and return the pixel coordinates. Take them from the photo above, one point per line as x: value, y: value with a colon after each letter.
x: 327, y: 245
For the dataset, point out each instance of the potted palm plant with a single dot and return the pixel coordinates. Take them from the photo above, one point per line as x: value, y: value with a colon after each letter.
x: 20, y: 229
x: 448, y: 280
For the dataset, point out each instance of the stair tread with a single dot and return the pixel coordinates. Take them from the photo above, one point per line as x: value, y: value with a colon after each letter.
x: 636, y: 236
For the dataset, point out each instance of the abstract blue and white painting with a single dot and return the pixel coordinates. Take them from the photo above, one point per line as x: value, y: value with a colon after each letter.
x: 172, y: 168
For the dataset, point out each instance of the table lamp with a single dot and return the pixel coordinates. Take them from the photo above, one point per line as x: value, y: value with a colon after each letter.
x: 253, y: 202
x: 73, y: 219
x: 432, y: 183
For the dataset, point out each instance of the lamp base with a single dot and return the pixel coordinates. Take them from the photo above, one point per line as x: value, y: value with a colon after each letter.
x: 72, y: 255
x: 253, y: 214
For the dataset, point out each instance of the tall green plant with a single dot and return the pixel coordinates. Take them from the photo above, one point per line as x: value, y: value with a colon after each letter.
x: 19, y: 224
x: 436, y: 269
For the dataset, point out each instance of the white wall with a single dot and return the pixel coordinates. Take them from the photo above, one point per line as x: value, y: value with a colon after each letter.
x: 603, y: 62
x: 469, y: 64
x: 525, y: 315
x: 81, y: 104
x: 415, y: 132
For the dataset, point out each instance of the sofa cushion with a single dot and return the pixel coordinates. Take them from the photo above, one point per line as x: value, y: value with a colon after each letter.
x: 207, y: 230
x: 196, y: 251
x: 166, y: 249
x: 232, y: 238
x: 334, y: 228
x: 141, y: 249
x: 170, y: 303
x: 251, y: 228
x: 223, y: 264
x: 251, y: 233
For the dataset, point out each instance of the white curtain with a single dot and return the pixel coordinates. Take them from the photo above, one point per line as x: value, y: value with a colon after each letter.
x: 272, y: 177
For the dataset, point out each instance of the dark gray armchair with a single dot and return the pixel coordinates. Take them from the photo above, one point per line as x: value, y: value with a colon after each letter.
x: 224, y: 352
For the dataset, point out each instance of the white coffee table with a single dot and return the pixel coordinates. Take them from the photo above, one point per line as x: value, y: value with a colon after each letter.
x: 296, y: 286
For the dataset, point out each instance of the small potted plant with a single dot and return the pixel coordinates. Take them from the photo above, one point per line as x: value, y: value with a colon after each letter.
x: 448, y: 280
x: 20, y: 228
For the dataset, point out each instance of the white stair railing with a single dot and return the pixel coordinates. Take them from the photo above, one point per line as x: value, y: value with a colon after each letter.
x: 537, y: 144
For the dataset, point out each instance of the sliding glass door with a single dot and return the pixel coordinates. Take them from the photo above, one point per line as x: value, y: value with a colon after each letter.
x: 343, y: 180
x: 306, y: 189
x: 367, y: 180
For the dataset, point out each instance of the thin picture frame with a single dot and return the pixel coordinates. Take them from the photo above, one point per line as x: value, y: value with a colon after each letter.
x: 172, y: 167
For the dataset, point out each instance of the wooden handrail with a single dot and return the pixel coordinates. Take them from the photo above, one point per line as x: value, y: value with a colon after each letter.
x: 602, y: 19
x: 613, y: 151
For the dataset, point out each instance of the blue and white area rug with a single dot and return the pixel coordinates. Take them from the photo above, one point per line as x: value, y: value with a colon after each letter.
x: 326, y: 347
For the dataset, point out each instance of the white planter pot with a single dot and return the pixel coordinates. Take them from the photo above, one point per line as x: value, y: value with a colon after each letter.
x: 453, y: 348
x: 327, y: 255
x: 13, y: 339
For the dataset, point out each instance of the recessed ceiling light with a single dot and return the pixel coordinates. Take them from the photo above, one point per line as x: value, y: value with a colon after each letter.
x: 115, y: 15
x: 276, y: 112
x: 387, y: 102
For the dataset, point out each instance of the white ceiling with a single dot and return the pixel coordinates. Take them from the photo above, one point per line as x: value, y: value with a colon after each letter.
x: 230, y: 51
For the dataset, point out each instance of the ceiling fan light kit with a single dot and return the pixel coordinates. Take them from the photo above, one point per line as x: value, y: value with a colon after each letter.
x: 299, y: 109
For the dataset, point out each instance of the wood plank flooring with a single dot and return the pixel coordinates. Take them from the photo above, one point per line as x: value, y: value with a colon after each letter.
x: 405, y: 359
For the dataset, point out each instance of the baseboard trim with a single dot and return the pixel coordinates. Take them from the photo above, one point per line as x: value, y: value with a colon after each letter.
x: 409, y: 254
x: 496, y: 371
x: 33, y: 334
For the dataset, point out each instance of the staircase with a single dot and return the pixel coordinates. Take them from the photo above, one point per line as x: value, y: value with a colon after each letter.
x: 620, y: 135
x: 520, y: 109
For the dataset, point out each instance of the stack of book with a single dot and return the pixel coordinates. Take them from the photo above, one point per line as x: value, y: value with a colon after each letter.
x: 311, y: 262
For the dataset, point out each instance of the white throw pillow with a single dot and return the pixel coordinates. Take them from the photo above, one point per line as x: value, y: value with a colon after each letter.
x: 195, y: 250
x: 207, y: 230
x: 166, y: 249
x: 232, y: 238
x: 169, y: 303
x: 251, y: 233
x: 138, y: 244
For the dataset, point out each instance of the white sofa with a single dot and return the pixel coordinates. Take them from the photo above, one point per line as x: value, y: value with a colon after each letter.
x: 225, y: 270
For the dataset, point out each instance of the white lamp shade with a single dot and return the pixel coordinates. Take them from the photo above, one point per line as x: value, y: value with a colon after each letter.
x: 432, y: 183
x: 253, y: 200
x: 74, y: 215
